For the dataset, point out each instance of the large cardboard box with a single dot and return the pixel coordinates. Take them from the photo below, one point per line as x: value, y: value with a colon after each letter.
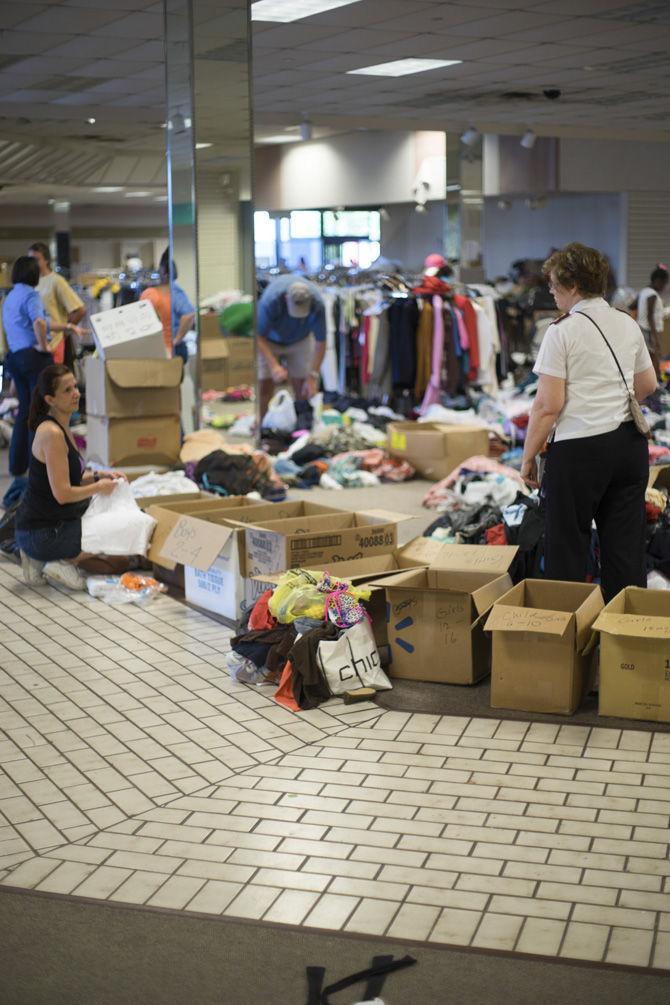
x: 118, y: 442
x: 213, y: 550
x: 126, y: 388
x: 227, y: 362
x: 214, y: 372
x: 214, y: 579
x: 131, y: 332
x: 434, y: 450
x: 276, y: 545
x: 635, y: 655
x: 436, y: 615
x: 543, y: 642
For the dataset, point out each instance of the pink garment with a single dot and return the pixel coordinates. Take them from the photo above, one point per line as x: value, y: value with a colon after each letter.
x: 463, y: 336
x: 484, y: 465
x: 432, y: 395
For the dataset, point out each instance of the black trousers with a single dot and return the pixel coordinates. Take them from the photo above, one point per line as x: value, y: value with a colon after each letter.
x: 601, y: 478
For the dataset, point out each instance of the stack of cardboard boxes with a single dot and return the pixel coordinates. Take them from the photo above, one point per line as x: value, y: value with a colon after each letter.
x: 226, y: 361
x: 133, y: 396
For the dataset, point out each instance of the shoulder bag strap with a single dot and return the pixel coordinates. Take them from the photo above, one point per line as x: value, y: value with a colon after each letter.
x: 585, y: 315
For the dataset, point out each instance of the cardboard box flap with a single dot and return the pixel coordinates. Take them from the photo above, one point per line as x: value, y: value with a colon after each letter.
x: 474, y: 558
x: 213, y: 349
x: 195, y: 543
x: 659, y: 476
x: 420, y: 551
x: 585, y: 615
x: 142, y: 373
x: 529, y: 619
x: 485, y: 597
x: 638, y: 626
x: 384, y: 516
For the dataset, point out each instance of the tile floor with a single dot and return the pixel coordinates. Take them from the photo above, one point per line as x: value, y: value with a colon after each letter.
x: 133, y: 770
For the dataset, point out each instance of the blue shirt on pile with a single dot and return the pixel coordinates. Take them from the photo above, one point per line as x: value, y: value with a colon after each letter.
x: 276, y: 324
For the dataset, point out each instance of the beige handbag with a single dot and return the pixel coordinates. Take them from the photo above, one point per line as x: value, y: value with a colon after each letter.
x: 636, y: 412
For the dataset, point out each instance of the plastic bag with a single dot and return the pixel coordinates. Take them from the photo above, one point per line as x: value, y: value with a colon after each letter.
x: 115, y: 525
x: 281, y: 413
x: 130, y: 588
x: 352, y: 661
x: 297, y: 596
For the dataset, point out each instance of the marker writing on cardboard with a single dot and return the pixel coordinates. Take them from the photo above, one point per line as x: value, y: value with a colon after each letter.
x: 404, y: 604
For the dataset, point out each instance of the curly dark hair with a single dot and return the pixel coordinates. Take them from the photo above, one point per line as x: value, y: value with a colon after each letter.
x: 577, y: 265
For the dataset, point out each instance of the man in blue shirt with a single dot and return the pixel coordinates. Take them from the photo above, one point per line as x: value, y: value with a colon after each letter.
x: 291, y: 338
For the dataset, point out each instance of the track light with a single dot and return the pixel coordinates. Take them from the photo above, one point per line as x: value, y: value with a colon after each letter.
x: 470, y: 136
x: 528, y: 139
x: 305, y: 130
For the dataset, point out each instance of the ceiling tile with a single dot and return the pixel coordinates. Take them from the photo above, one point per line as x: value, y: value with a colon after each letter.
x: 78, y: 20
x: 138, y: 27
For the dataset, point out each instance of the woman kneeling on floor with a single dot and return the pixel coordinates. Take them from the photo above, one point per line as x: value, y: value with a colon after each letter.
x: 48, y: 522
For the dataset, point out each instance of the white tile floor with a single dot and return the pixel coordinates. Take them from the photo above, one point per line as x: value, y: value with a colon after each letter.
x: 134, y: 770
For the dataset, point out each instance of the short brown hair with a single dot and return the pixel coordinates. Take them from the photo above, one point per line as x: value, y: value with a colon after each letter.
x: 580, y: 266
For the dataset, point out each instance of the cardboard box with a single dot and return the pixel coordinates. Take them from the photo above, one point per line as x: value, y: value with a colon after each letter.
x: 543, y: 639
x: 635, y: 655
x: 131, y: 332
x: 213, y: 550
x: 126, y: 388
x: 209, y: 328
x: 300, y: 542
x: 435, y: 449
x: 167, y: 514
x: 222, y: 586
x: 227, y: 362
x: 116, y: 442
x: 214, y: 373
x: 436, y: 615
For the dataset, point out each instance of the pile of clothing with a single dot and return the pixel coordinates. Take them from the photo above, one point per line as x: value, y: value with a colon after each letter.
x: 311, y: 637
x: 171, y: 483
x: 228, y: 469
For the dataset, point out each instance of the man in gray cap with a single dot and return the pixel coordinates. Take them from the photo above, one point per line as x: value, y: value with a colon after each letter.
x: 291, y: 337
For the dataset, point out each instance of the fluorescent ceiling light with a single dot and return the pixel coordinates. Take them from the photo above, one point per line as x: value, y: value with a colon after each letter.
x: 108, y: 188
x: 137, y: 195
x: 403, y: 67
x: 202, y: 146
x: 278, y: 139
x: 293, y: 10
x: 160, y: 198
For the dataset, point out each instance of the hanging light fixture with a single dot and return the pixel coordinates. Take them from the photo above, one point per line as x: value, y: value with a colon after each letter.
x: 528, y: 140
x: 470, y: 136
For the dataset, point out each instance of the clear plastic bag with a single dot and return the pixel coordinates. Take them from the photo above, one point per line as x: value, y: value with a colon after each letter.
x: 130, y: 588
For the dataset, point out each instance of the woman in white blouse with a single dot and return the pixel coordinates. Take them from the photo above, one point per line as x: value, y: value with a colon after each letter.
x: 597, y: 463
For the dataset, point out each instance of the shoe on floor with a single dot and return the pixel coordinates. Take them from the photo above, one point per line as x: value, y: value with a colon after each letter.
x: 65, y: 574
x: 32, y: 570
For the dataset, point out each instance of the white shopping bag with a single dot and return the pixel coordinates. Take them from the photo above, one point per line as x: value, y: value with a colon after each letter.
x: 352, y: 661
x: 281, y: 413
x: 115, y: 525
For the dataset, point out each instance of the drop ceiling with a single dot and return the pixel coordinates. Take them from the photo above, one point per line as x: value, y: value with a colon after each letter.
x: 63, y: 63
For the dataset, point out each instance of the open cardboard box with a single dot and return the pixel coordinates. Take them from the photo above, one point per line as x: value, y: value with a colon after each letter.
x: 543, y: 641
x: 436, y: 614
x: 213, y: 550
x: 635, y: 655
x: 132, y: 388
x: 433, y: 449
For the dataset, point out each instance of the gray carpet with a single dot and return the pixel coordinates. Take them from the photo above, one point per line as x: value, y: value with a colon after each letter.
x: 67, y: 951
x: 454, y: 699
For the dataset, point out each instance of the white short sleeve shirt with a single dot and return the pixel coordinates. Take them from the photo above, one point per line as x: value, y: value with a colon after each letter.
x: 573, y: 349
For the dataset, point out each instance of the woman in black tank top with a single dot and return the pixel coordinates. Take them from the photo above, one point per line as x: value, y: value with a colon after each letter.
x: 48, y: 522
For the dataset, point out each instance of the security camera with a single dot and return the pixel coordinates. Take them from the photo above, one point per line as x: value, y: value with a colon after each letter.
x: 552, y: 93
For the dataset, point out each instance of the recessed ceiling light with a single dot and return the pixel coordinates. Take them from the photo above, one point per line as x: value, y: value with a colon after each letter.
x: 202, y: 146
x: 403, y: 67
x: 91, y: 122
x: 137, y: 195
x: 108, y: 188
x: 293, y: 10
